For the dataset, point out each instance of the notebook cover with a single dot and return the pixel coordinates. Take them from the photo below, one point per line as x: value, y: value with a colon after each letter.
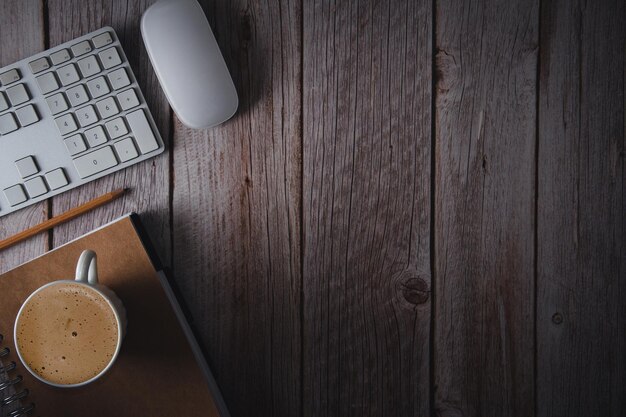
x: 156, y: 373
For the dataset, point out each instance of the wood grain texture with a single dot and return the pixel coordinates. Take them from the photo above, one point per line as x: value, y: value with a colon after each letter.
x: 485, y: 97
x: 18, y: 44
x: 236, y: 213
x: 366, y: 207
x: 581, y: 264
x: 148, y: 181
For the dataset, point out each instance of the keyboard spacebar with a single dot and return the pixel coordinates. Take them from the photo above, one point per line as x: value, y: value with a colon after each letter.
x: 95, y: 162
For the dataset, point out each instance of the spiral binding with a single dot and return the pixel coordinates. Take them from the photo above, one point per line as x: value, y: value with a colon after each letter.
x: 22, y: 410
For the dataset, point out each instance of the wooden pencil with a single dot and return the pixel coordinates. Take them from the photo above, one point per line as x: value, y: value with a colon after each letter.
x: 62, y: 218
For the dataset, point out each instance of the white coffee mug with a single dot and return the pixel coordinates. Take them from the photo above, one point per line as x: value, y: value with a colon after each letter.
x: 87, y: 275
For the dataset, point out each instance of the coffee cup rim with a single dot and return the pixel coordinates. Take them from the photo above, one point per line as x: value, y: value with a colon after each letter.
x: 118, y: 346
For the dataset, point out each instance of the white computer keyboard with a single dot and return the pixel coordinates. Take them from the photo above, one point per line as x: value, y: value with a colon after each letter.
x: 70, y: 115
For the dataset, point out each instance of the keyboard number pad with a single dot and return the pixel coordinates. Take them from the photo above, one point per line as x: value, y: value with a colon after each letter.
x: 88, y: 111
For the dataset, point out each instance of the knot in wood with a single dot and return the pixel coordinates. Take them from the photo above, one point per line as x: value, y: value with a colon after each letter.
x: 415, y: 290
x: 557, y: 318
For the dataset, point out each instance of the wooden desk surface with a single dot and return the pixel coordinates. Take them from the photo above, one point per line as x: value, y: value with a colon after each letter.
x: 419, y: 208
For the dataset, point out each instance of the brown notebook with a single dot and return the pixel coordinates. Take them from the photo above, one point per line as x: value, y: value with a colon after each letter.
x: 160, y: 370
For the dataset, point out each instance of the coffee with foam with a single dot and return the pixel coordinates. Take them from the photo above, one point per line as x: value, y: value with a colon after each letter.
x: 67, y: 333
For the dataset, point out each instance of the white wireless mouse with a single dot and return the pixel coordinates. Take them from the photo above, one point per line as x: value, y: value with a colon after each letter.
x: 188, y: 63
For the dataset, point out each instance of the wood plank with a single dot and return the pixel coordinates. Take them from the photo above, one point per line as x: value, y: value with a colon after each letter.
x: 366, y: 207
x: 581, y: 262
x: 236, y: 213
x: 17, y: 44
x: 486, y: 64
x: 148, y: 181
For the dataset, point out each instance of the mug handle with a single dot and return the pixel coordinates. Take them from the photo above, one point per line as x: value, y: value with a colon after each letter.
x: 86, y: 268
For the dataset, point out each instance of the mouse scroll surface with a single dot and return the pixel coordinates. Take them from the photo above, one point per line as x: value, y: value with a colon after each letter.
x: 188, y: 63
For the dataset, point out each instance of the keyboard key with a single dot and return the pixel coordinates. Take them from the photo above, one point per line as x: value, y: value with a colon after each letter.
x: 57, y: 103
x: 98, y: 87
x: 126, y: 150
x: 66, y: 124
x: 7, y: 123
x: 128, y: 99
x: 77, y: 95
x: 107, y: 107
x: 89, y: 66
x: 18, y: 94
x: 60, y: 57
x: 47, y: 82
x: 27, y: 115
x: 56, y: 179
x: 94, y: 162
x: 95, y: 136
x: 36, y: 187
x: 75, y: 144
x: 15, y: 195
x: 118, y: 78
x: 3, y: 103
x: 81, y: 48
x: 143, y: 132
x: 110, y: 58
x: 10, y: 77
x: 86, y: 116
x: 26, y: 166
x: 102, y: 40
x: 116, y: 128
x: 68, y: 74
x: 39, y: 65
